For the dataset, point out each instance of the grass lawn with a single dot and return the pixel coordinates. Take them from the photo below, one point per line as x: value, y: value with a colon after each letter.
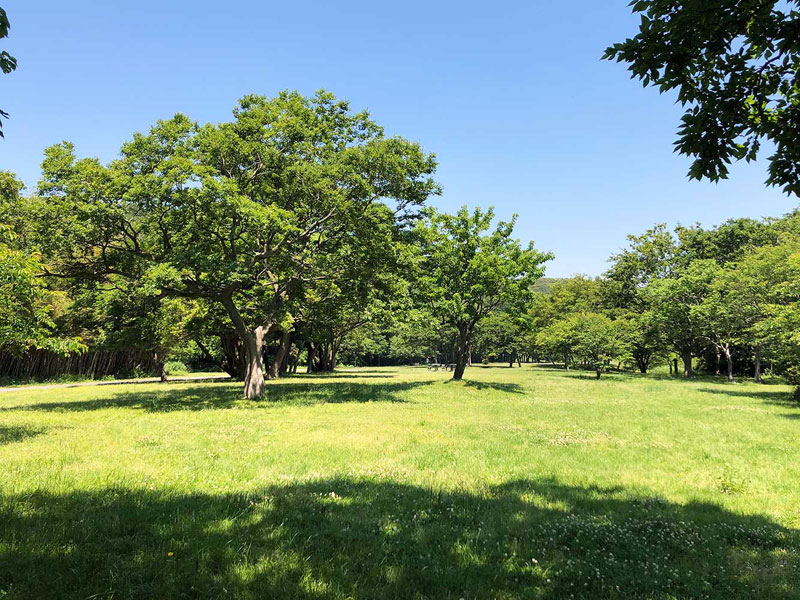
x: 397, y: 483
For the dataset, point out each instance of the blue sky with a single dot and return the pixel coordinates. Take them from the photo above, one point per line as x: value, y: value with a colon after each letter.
x: 511, y: 96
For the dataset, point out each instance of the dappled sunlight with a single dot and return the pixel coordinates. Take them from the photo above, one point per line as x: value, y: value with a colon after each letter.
x: 512, y: 483
x: 373, y: 538
x: 228, y: 395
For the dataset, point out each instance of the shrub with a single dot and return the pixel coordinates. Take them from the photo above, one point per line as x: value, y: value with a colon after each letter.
x: 796, y: 395
x: 175, y: 367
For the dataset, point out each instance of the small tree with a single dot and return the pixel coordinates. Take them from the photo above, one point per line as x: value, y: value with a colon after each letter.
x: 645, y: 337
x: 467, y: 274
x: 503, y: 334
x: 556, y: 340
x: 596, y: 340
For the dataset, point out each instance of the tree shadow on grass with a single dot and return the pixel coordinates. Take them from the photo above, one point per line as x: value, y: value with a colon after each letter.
x: 374, y: 539
x: 19, y: 433
x: 338, y: 375
x: 229, y: 395
x: 767, y: 396
x: 509, y: 388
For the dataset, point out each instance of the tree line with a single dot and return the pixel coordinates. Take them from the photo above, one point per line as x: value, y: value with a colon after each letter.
x: 724, y: 300
x: 299, y: 234
x: 256, y: 243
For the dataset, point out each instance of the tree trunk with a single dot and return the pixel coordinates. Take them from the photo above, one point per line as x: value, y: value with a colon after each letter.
x: 757, y: 363
x: 312, y: 355
x: 729, y: 357
x: 334, y: 352
x: 235, y: 364
x: 162, y: 371
x: 675, y: 366
x: 462, y: 355
x: 598, y: 372
x: 287, y: 360
x: 255, y: 386
x: 687, y: 364
x: 566, y: 361
x: 280, y: 355
x: 641, y: 362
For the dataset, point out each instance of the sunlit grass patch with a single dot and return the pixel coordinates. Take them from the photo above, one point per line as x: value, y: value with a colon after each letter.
x: 396, y: 483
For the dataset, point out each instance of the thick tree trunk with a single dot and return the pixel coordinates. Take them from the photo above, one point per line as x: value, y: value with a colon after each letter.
x: 280, y: 355
x: 462, y: 354
x: 566, y: 361
x: 669, y: 362
x: 333, y: 354
x: 255, y: 385
x: 235, y: 364
x: 598, y: 372
x: 312, y: 355
x: 675, y: 366
x: 687, y: 364
x: 287, y: 361
x: 757, y: 363
x: 643, y: 358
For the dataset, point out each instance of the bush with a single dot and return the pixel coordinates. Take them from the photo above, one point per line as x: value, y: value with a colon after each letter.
x: 796, y: 395
x: 175, y: 367
x: 793, y: 375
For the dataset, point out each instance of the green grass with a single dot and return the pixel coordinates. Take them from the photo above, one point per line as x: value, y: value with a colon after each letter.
x: 77, y: 379
x: 397, y: 483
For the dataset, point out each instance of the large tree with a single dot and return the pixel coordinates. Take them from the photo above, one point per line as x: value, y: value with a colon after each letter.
x: 736, y: 68
x: 246, y: 214
x: 469, y: 271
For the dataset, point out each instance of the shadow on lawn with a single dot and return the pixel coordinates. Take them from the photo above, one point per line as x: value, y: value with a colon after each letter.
x: 19, y: 433
x: 765, y: 395
x: 509, y: 388
x: 342, y: 538
x: 216, y: 396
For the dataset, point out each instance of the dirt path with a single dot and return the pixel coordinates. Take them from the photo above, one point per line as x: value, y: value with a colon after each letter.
x: 113, y: 382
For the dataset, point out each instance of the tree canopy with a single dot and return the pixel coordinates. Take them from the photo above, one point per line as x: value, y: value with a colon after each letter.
x: 250, y: 214
x: 467, y: 274
x: 735, y: 68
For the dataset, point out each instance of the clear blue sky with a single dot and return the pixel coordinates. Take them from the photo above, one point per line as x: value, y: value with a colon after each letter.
x: 511, y: 96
